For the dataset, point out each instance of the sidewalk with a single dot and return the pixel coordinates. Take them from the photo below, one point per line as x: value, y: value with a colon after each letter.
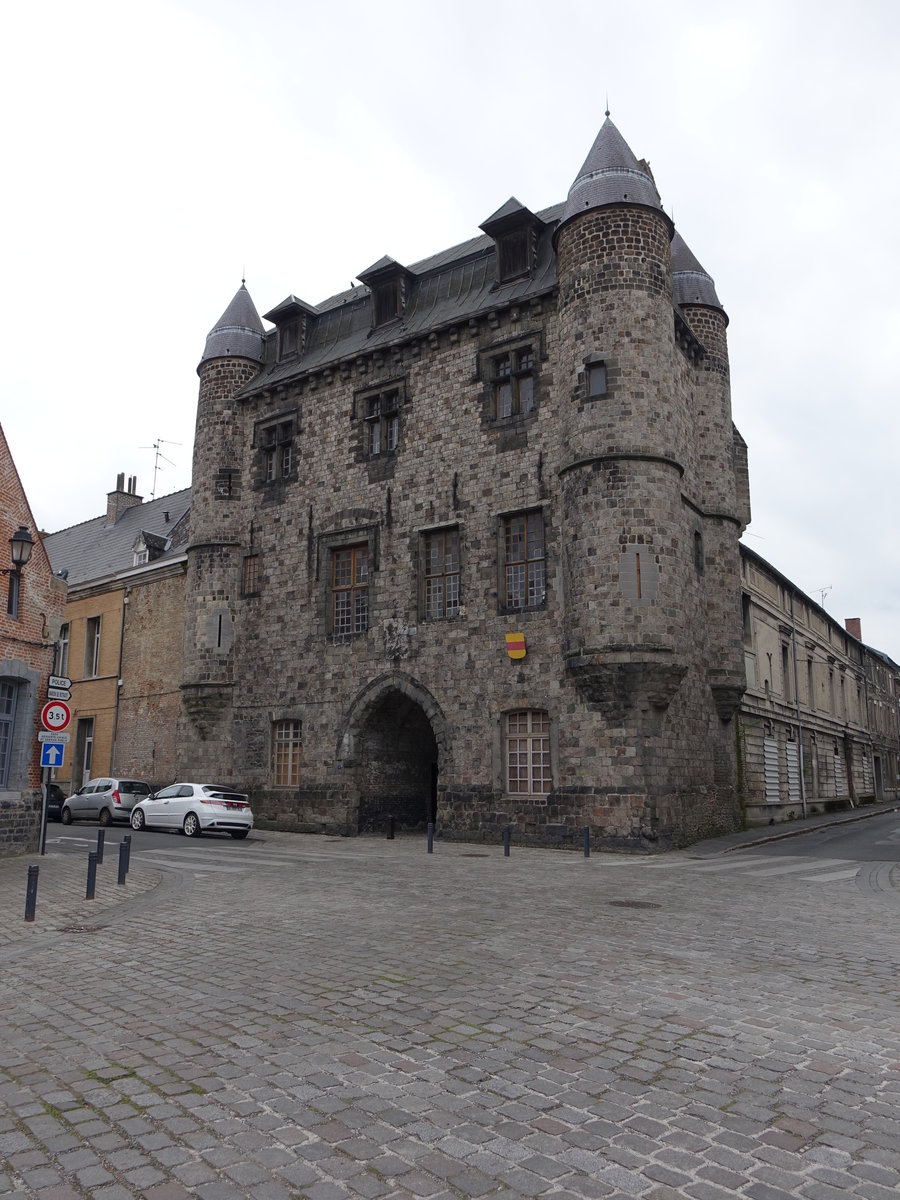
x: 60, y: 905
x: 762, y: 834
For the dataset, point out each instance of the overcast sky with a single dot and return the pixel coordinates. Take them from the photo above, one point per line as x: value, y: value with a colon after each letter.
x: 153, y: 153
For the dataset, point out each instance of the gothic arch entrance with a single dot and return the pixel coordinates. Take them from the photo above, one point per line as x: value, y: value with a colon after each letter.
x: 394, y: 743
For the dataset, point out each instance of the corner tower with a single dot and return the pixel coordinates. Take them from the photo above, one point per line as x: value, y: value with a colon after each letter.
x: 233, y: 355
x: 625, y: 436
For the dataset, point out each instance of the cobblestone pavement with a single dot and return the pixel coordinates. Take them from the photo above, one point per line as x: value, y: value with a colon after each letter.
x: 327, y: 1018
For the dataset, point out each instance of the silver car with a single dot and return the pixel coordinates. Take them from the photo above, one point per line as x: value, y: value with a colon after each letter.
x: 195, y: 808
x: 104, y: 800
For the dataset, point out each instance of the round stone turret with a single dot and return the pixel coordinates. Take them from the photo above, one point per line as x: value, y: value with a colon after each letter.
x: 626, y: 431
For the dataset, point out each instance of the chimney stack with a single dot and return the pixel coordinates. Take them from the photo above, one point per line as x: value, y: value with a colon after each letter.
x: 853, y: 625
x: 120, y: 500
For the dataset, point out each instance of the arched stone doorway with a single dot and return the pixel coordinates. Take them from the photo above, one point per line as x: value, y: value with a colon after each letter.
x: 395, y: 743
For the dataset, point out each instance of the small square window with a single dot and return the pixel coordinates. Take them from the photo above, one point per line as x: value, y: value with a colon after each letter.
x: 596, y: 379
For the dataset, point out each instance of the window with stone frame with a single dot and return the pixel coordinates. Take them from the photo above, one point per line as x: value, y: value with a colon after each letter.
x: 250, y: 578
x: 277, y: 444
x: 512, y: 376
x: 596, y: 379
x: 527, y: 753
x: 286, y: 746
x: 350, y: 590
x: 381, y: 422
x: 524, y: 580
x: 440, y: 552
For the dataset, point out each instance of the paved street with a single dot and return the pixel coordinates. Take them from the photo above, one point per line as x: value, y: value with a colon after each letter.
x: 322, y: 1018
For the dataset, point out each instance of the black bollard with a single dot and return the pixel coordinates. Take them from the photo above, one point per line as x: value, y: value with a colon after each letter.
x: 506, y: 841
x: 31, y: 893
x: 127, y: 843
x: 587, y: 841
x: 101, y: 838
x: 123, y: 861
x: 431, y: 837
x: 92, y: 875
x: 390, y: 829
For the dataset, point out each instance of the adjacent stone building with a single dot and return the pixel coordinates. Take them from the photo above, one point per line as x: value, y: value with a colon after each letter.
x: 820, y: 721
x: 464, y: 538
x: 31, y: 613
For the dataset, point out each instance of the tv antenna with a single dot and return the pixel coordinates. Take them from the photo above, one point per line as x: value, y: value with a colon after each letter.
x: 823, y: 592
x: 156, y: 459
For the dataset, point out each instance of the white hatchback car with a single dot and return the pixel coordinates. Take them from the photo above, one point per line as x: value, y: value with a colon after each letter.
x: 195, y: 808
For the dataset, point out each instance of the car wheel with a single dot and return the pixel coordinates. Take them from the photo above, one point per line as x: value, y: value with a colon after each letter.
x: 240, y: 834
x: 66, y: 816
x: 137, y: 819
x: 105, y: 818
x: 191, y: 825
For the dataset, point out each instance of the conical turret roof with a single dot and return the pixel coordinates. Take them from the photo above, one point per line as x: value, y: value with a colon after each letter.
x: 238, y: 333
x: 691, y: 284
x: 611, y: 174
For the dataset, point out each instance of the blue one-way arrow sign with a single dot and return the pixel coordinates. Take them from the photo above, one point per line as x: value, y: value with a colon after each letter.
x: 51, y: 754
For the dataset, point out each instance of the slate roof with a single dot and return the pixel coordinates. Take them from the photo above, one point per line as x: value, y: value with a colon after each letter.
x: 238, y: 331
x: 691, y: 284
x: 94, y: 550
x: 449, y: 287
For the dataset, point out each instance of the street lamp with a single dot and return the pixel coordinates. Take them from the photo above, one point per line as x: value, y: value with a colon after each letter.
x: 20, y: 547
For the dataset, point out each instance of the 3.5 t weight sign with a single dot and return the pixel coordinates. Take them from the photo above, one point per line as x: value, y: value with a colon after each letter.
x: 55, y: 715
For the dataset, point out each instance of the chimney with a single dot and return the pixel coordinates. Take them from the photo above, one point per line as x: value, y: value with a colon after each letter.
x: 853, y: 625
x: 120, y: 500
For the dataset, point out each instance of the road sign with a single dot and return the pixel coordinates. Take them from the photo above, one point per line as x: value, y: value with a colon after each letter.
x: 55, y: 715
x: 58, y: 694
x: 59, y: 681
x: 52, y: 754
x: 47, y: 735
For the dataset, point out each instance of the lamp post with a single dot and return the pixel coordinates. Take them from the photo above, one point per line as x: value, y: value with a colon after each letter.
x: 20, y: 546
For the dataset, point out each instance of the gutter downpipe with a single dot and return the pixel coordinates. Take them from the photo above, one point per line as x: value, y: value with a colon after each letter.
x: 797, y: 705
x: 115, y: 731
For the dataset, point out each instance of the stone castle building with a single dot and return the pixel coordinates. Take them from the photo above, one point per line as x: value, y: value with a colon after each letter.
x: 464, y: 539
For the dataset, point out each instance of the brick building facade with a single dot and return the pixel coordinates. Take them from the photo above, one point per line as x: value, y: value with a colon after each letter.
x: 33, y: 602
x: 522, y: 443
x: 122, y: 639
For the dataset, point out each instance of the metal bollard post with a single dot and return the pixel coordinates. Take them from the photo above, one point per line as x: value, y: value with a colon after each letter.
x: 587, y: 841
x: 431, y: 837
x: 31, y: 893
x: 101, y: 838
x: 127, y: 843
x: 123, y: 861
x: 506, y: 841
x: 390, y: 827
x: 92, y: 875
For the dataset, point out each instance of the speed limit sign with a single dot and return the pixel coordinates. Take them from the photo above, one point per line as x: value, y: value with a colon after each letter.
x: 55, y: 715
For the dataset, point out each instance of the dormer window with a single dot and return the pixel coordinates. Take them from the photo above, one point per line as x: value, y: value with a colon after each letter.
x: 291, y: 320
x: 389, y: 284
x: 386, y: 301
x: 515, y: 231
x: 513, y: 252
x: 141, y: 557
